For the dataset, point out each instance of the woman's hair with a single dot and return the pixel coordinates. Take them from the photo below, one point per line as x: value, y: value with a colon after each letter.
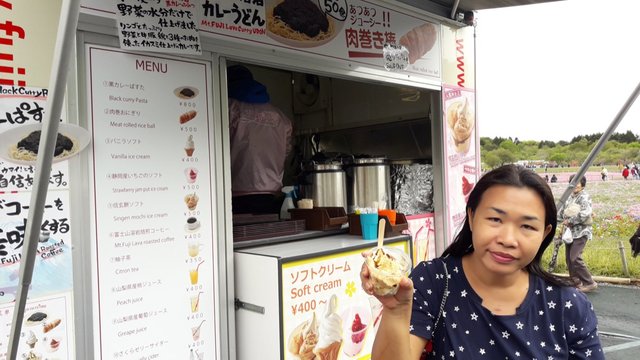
x: 511, y: 175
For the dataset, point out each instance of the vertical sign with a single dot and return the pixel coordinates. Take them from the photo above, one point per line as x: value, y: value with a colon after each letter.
x: 28, y: 36
x: 154, y: 246
x: 460, y: 151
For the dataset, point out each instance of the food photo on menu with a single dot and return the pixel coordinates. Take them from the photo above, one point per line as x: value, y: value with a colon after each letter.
x: 461, y: 122
x: 186, y: 92
x: 300, y: 23
x: 21, y: 144
x: 42, y: 335
x: 331, y: 334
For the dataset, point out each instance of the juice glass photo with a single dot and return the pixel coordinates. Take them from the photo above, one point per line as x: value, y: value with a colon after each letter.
x: 193, y: 276
x: 195, y: 302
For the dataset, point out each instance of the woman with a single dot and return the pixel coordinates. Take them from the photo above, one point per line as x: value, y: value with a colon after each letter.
x: 500, y: 302
x: 577, y: 216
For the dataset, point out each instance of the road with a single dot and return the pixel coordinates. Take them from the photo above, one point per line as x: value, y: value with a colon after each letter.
x: 618, y: 311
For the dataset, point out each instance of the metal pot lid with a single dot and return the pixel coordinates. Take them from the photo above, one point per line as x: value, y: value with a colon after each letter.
x: 370, y: 161
x: 329, y: 166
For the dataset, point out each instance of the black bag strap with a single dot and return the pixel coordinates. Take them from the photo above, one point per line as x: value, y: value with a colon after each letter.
x: 444, y: 299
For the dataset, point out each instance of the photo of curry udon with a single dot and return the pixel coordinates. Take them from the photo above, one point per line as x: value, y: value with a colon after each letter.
x: 300, y: 21
x: 27, y: 148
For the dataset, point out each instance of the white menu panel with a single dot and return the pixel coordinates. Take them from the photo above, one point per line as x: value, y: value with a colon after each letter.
x: 154, y: 245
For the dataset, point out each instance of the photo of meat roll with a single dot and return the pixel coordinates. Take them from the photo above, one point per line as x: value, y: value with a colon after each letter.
x: 419, y: 41
x: 188, y: 116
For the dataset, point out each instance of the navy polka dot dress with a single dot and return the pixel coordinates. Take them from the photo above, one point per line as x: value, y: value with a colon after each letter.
x: 552, y: 323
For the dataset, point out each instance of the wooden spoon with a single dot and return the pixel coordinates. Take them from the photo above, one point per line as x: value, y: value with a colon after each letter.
x: 381, y: 225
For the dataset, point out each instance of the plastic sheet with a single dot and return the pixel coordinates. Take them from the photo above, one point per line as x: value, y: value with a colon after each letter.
x: 412, y: 188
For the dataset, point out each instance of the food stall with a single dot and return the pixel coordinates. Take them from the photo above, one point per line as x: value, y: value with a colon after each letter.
x: 139, y: 232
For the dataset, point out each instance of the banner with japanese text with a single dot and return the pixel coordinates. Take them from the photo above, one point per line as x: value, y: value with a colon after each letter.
x: 355, y: 31
x: 460, y: 151
x: 313, y: 288
x: 28, y: 39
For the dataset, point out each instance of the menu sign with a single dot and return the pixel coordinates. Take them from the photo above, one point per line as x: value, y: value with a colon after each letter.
x: 345, y: 30
x: 159, y: 25
x: 459, y: 152
x: 47, y: 330
x: 324, y: 294
x: 154, y: 242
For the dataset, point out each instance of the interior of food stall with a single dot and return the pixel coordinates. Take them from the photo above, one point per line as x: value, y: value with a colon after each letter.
x: 342, y: 121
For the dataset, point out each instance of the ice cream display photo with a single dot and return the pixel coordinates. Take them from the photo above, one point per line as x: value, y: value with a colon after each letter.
x: 357, y: 320
x: 191, y: 200
x: 461, y: 122
x: 303, y: 339
x: 330, y: 332
x: 189, y: 146
x: 31, y: 340
x: 387, y: 266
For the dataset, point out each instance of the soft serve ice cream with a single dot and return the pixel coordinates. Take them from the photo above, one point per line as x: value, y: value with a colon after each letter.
x: 330, y: 332
x: 387, y: 266
x: 189, y: 146
x: 304, y: 339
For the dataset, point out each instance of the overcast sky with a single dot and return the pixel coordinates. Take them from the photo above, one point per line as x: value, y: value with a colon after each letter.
x: 553, y: 71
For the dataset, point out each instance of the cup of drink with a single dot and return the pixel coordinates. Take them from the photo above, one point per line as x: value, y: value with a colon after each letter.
x: 390, y: 214
x: 194, y: 248
x: 369, y: 224
x: 193, y: 276
x: 195, y: 302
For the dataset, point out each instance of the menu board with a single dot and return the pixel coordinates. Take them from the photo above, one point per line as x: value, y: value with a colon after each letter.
x: 460, y: 151
x: 345, y: 30
x: 312, y: 285
x: 154, y: 246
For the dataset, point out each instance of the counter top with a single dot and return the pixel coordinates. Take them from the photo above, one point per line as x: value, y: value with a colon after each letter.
x: 318, y: 246
x: 308, y: 234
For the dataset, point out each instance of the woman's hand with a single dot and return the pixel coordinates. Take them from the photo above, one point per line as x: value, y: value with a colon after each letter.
x: 401, y: 300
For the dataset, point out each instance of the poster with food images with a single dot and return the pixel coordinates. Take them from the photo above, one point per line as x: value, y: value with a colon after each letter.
x: 47, y: 331
x: 53, y: 268
x: 354, y: 31
x: 459, y: 137
x: 23, y: 107
x: 325, y: 313
x: 152, y: 213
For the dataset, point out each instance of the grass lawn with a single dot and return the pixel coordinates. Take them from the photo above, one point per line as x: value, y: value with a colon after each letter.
x: 616, y: 207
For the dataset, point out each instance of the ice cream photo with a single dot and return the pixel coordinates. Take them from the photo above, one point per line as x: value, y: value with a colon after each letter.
x: 32, y: 340
x: 461, y: 123
x: 387, y: 266
x: 189, y: 146
x: 357, y: 320
x: 191, y: 174
x: 303, y: 339
x: 329, y: 332
x: 191, y: 200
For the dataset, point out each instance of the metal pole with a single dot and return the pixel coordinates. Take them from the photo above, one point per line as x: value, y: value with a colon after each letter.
x: 596, y: 149
x: 625, y: 267
x: 57, y: 83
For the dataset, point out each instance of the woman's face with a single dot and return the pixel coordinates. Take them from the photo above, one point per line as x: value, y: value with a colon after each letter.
x: 507, y: 228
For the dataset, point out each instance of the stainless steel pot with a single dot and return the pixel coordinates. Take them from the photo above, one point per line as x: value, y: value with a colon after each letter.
x: 328, y: 185
x: 369, y: 182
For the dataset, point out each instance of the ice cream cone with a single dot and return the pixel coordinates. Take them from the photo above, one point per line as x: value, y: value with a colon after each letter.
x: 330, y: 352
x: 189, y: 151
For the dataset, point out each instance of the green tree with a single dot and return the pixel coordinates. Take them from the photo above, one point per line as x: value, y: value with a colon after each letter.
x: 491, y: 159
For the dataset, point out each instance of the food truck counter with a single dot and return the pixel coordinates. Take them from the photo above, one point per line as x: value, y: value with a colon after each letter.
x: 282, y: 288
x: 308, y: 234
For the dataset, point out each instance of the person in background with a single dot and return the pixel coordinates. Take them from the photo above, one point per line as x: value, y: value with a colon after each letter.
x: 635, y: 242
x: 546, y: 177
x: 577, y: 215
x: 554, y: 178
x: 498, y: 300
x: 604, y: 173
x: 625, y: 172
x: 260, y: 136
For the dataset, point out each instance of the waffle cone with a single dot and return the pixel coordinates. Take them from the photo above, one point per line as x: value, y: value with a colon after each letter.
x: 330, y: 352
